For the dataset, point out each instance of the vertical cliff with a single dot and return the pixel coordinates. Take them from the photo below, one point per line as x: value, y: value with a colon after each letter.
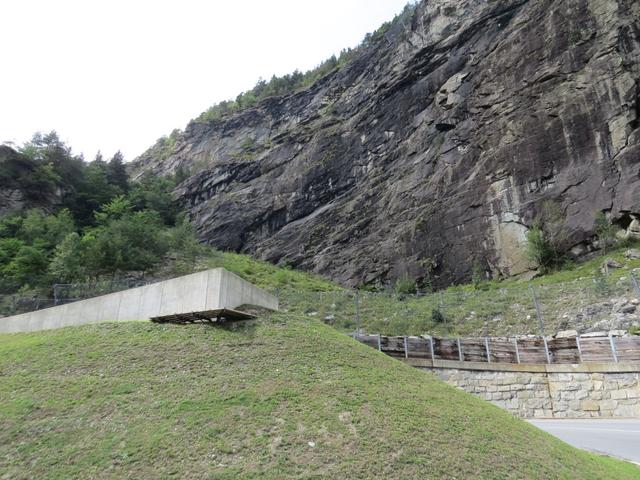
x: 433, y: 148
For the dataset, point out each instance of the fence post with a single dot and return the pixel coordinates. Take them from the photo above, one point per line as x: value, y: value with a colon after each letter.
x: 379, y: 343
x: 579, y: 348
x: 515, y: 342
x: 634, y: 281
x: 546, y: 349
x: 613, y: 348
x: 537, y: 306
x: 460, y: 355
x: 357, y: 301
x: 433, y: 354
x: 486, y: 345
x: 406, y: 347
x: 55, y: 294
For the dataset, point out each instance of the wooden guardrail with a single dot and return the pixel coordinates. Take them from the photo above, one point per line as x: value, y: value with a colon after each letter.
x: 530, y: 350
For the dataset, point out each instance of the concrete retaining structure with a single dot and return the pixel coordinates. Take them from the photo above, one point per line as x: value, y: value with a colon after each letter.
x: 208, y: 290
x: 547, y: 391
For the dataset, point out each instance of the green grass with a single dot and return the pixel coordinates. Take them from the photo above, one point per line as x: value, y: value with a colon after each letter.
x: 496, y: 308
x: 140, y: 400
x: 267, y: 275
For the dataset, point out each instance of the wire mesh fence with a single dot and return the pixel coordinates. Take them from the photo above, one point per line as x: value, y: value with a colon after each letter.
x: 516, y: 309
x: 63, y: 293
x: 511, y: 309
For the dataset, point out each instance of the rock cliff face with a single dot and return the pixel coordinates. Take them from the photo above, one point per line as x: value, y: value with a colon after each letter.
x: 434, y: 148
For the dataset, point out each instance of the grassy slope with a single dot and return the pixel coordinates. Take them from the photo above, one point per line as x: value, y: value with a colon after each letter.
x: 499, y: 308
x: 140, y: 400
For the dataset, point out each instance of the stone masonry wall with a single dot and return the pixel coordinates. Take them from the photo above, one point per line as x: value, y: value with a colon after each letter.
x: 552, y: 395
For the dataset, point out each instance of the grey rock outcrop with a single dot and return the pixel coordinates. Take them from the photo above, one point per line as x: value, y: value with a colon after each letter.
x: 434, y: 148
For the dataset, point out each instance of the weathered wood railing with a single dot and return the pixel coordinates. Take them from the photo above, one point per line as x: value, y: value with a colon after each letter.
x: 529, y: 350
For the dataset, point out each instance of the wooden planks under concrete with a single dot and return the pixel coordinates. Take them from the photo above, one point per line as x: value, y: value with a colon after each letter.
x: 206, y: 316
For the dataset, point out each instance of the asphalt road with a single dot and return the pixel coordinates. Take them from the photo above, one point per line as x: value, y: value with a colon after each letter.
x: 619, y: 438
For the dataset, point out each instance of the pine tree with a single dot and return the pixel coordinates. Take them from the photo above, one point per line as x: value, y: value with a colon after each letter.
x: 117, y: 173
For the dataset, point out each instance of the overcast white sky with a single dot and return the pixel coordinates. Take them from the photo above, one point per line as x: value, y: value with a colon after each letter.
x: 119, y: 74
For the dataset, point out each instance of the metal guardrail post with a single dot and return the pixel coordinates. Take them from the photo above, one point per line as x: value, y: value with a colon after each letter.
x: 613, y: 348
x: 433, y: 354
x: 579, y: 347
x: 634, y: 282
x: 357, y: 302
x: 406, y: 347
x: 486, y: 345
x: 537, y: 306
x: 379, y: 343
x: 515, y: 342
x: 546, y: 349
x: 460, y: 355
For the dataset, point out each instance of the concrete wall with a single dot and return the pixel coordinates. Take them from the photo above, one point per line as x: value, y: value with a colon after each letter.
x: 548, y: 391
x: 208, y: 290
x: 234, y: 292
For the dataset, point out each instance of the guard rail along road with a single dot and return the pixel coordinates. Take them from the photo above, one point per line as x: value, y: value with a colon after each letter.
x: 576, y: 377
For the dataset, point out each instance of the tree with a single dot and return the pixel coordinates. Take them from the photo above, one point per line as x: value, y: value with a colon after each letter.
x: 134, y: 242
x: 405, y: 285
x: 69, y: 262
x: 154, y: 193
x: 27, y: 267
x: 546, y: 237
x: 49, y: 149
x: 119, y: 207
x: 92, y: 191
x: 605, y: 230
x: 45, y: 231
x: 117, y: 173
x: 478, y: 275
x: 185, y: 244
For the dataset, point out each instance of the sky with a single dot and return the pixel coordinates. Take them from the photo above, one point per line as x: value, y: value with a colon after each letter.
x: 117, y: 75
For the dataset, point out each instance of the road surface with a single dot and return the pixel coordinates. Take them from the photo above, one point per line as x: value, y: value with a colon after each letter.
x: 619, y: 438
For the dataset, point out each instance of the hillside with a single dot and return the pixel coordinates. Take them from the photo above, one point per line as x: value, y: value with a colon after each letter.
x: 576, y: 297
x: 280, y: 398
x: 431, y: 148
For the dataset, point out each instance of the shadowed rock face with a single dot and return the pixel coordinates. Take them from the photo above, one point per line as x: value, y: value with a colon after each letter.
x: 434, y: 148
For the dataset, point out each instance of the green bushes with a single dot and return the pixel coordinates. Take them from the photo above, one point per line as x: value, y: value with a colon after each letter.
x: 545, y: 238
x: 405, y: 286
x: 109, y: 227
x: 437, y: 317
x: 605, y: 230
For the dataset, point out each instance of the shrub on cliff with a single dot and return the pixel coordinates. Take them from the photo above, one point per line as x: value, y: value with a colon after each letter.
x: 546, y: 236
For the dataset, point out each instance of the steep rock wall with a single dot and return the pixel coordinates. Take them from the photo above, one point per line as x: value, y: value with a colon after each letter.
x: 434, y: 148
